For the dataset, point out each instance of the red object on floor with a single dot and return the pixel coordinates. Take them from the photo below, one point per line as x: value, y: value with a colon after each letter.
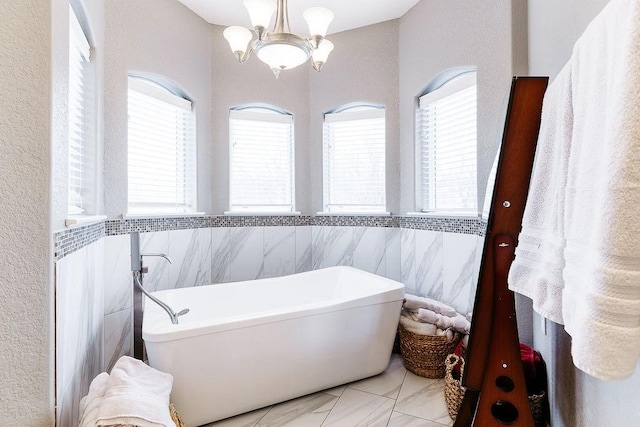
x: 535, y: 371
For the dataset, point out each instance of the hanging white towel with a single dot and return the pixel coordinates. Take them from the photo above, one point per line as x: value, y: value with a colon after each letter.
x: 537, y: 269
x: 591, y: 233
x: 601, y: 298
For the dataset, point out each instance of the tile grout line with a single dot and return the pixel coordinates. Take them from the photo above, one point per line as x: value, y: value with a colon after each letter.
x: 395, y: 402
x: 262, y: 417
x: 332, y: 408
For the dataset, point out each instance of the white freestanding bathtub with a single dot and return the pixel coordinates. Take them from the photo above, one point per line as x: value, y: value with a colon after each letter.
x: 247, y: 345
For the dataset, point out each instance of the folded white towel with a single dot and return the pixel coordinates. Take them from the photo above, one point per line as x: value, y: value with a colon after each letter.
x: 457, y: 322
x: 419, y: 328
x: 591, y: 232
x: 413, y: 302
x: 136, y: 395
x: 90, y: 404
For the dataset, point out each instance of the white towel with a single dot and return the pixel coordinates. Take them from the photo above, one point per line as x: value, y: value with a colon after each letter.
x: 457, y: 322
x: 413, y: 302
x: 419, y: 328
x: 136, y: 395
x: 537, y: 269
x: 597, y: 219
x: 90, y: 404
x: 601, y: 298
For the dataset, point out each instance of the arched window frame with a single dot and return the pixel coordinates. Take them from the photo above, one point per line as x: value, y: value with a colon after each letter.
x: 446, y: 145
x: 162, y: 167
x: 261, y: 160
x: 354, y: 159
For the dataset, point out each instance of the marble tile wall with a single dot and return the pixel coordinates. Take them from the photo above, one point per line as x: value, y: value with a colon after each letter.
x: 97, y: 278
x: 441, y: 265
x: 79, y: 327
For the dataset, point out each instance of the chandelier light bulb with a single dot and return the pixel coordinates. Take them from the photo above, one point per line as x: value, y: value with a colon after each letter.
x: 321, y: 54
x: 260, y: 12
x: 318, y: 20
x: 238, y: 38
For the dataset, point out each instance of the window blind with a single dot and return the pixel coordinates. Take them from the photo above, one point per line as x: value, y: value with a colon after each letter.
x: 354, y: 161
x: 80, y: 186
x: 446, y: 135
x: 262, y: 160
x: 161, y: 150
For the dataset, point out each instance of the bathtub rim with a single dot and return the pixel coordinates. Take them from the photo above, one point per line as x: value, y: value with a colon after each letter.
x: 158, y: 328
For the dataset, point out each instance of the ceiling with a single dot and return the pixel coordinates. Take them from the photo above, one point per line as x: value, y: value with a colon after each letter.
x: 349, y: 14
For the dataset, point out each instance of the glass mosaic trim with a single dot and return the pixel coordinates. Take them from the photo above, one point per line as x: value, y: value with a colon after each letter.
x: 70, y: 240
x: 449, y: 225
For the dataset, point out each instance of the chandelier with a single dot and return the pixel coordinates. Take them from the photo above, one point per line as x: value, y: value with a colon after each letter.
x: 279, y: 48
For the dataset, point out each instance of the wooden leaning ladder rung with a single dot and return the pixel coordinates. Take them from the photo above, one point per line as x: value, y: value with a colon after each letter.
x: 496, y: 390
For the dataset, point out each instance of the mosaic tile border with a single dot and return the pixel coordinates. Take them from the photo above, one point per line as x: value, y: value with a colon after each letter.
x: 70, y: 240
x: 444, y: 224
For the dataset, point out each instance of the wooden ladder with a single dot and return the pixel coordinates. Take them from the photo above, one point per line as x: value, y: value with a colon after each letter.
x: 496, y: 390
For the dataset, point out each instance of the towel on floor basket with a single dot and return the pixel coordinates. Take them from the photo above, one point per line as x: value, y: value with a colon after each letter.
x: 135, y: 394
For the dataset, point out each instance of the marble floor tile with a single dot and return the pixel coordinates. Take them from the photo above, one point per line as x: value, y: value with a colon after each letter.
x: 336, y: 391
x: 306, y: 411
x: 402, y: 420
x: 356, y: 408
x: 395, y: 398
x: 250, y: 419
x: 386, y: 384
x: 423, y: 398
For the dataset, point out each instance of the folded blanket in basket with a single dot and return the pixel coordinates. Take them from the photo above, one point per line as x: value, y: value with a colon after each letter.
x: 420, y: 328
x: 136, y: 395
x: 457, y: 322
x: 413, y: 302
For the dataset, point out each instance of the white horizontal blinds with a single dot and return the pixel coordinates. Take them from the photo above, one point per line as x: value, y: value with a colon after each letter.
x: 354, y: 160
x: 80, y: 186
x: 262, y: 160
x: 161, y: 150
x: 446, y: 121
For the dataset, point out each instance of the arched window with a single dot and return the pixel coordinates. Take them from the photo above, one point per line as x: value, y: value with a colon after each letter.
x: 354, y: 160
x: 261, y: 159
x: 161, y: 150
x: 446, y: 147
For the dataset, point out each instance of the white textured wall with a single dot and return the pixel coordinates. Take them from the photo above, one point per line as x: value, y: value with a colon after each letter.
x: 26, y: 395
x: 436, y: 36
x: 253, y: 82
x: 160, y: 37
x: 576, y: 399
x: 362, y: 67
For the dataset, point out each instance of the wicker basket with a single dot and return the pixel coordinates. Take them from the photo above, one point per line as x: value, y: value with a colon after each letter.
x: 424, y: 355
x: 454, y: 392
x: 453, y: 389
x: 175, y: 416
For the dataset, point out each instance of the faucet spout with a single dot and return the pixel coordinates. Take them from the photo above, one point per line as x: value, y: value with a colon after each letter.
x: 165, y: 256
x: 172, y: 314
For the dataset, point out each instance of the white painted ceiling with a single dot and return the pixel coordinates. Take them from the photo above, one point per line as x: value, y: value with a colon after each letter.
x: 349, y: 14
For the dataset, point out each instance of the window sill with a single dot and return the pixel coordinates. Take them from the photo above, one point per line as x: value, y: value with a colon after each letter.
x: 455, y: 215
x: 161, y: 215
x: 80, y: 220
x: 249, y: 213
x: 353, y: 213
